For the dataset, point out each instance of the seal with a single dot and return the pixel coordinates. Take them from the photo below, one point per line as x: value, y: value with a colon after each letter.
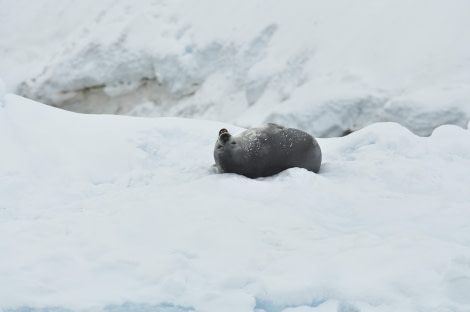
x: 265, y: 151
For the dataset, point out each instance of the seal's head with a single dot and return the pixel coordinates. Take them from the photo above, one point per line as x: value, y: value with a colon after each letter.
x: 227, y: 152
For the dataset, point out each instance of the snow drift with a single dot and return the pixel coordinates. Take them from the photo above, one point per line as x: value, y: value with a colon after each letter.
x: 115, y: 213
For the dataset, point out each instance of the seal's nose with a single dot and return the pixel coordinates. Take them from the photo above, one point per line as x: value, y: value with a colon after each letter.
x: 224, y: 137
x: 223, y: 130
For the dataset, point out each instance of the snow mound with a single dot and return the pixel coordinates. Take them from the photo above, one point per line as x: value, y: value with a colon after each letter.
x: 115, y: 213
x: 334, y: 65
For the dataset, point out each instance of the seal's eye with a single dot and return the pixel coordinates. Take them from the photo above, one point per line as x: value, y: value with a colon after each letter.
x: 223, y: 130
x: 233, y: 142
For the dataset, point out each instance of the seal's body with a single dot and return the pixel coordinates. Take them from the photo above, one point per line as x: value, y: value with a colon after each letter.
x: 265, y: 151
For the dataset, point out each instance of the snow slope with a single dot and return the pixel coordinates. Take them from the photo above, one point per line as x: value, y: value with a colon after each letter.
x: 116, y: 213
x: 328, y: 67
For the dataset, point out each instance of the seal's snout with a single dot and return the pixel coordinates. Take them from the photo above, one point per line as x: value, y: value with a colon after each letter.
x: 224, y: 137
x: 223, y: 130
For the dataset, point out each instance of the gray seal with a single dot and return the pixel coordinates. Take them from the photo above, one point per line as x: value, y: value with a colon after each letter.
x: 265, y: 151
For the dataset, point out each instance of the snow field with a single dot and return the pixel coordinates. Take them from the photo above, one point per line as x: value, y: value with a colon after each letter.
x: 113, y: 213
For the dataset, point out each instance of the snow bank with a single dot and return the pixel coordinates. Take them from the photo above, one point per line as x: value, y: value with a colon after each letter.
x: 329, y: 68
x: 114, y: 213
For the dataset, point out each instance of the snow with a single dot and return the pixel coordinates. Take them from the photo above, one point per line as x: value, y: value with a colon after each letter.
x: 100, y: 212
x: 245, y: 63
x: 116, y: 213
